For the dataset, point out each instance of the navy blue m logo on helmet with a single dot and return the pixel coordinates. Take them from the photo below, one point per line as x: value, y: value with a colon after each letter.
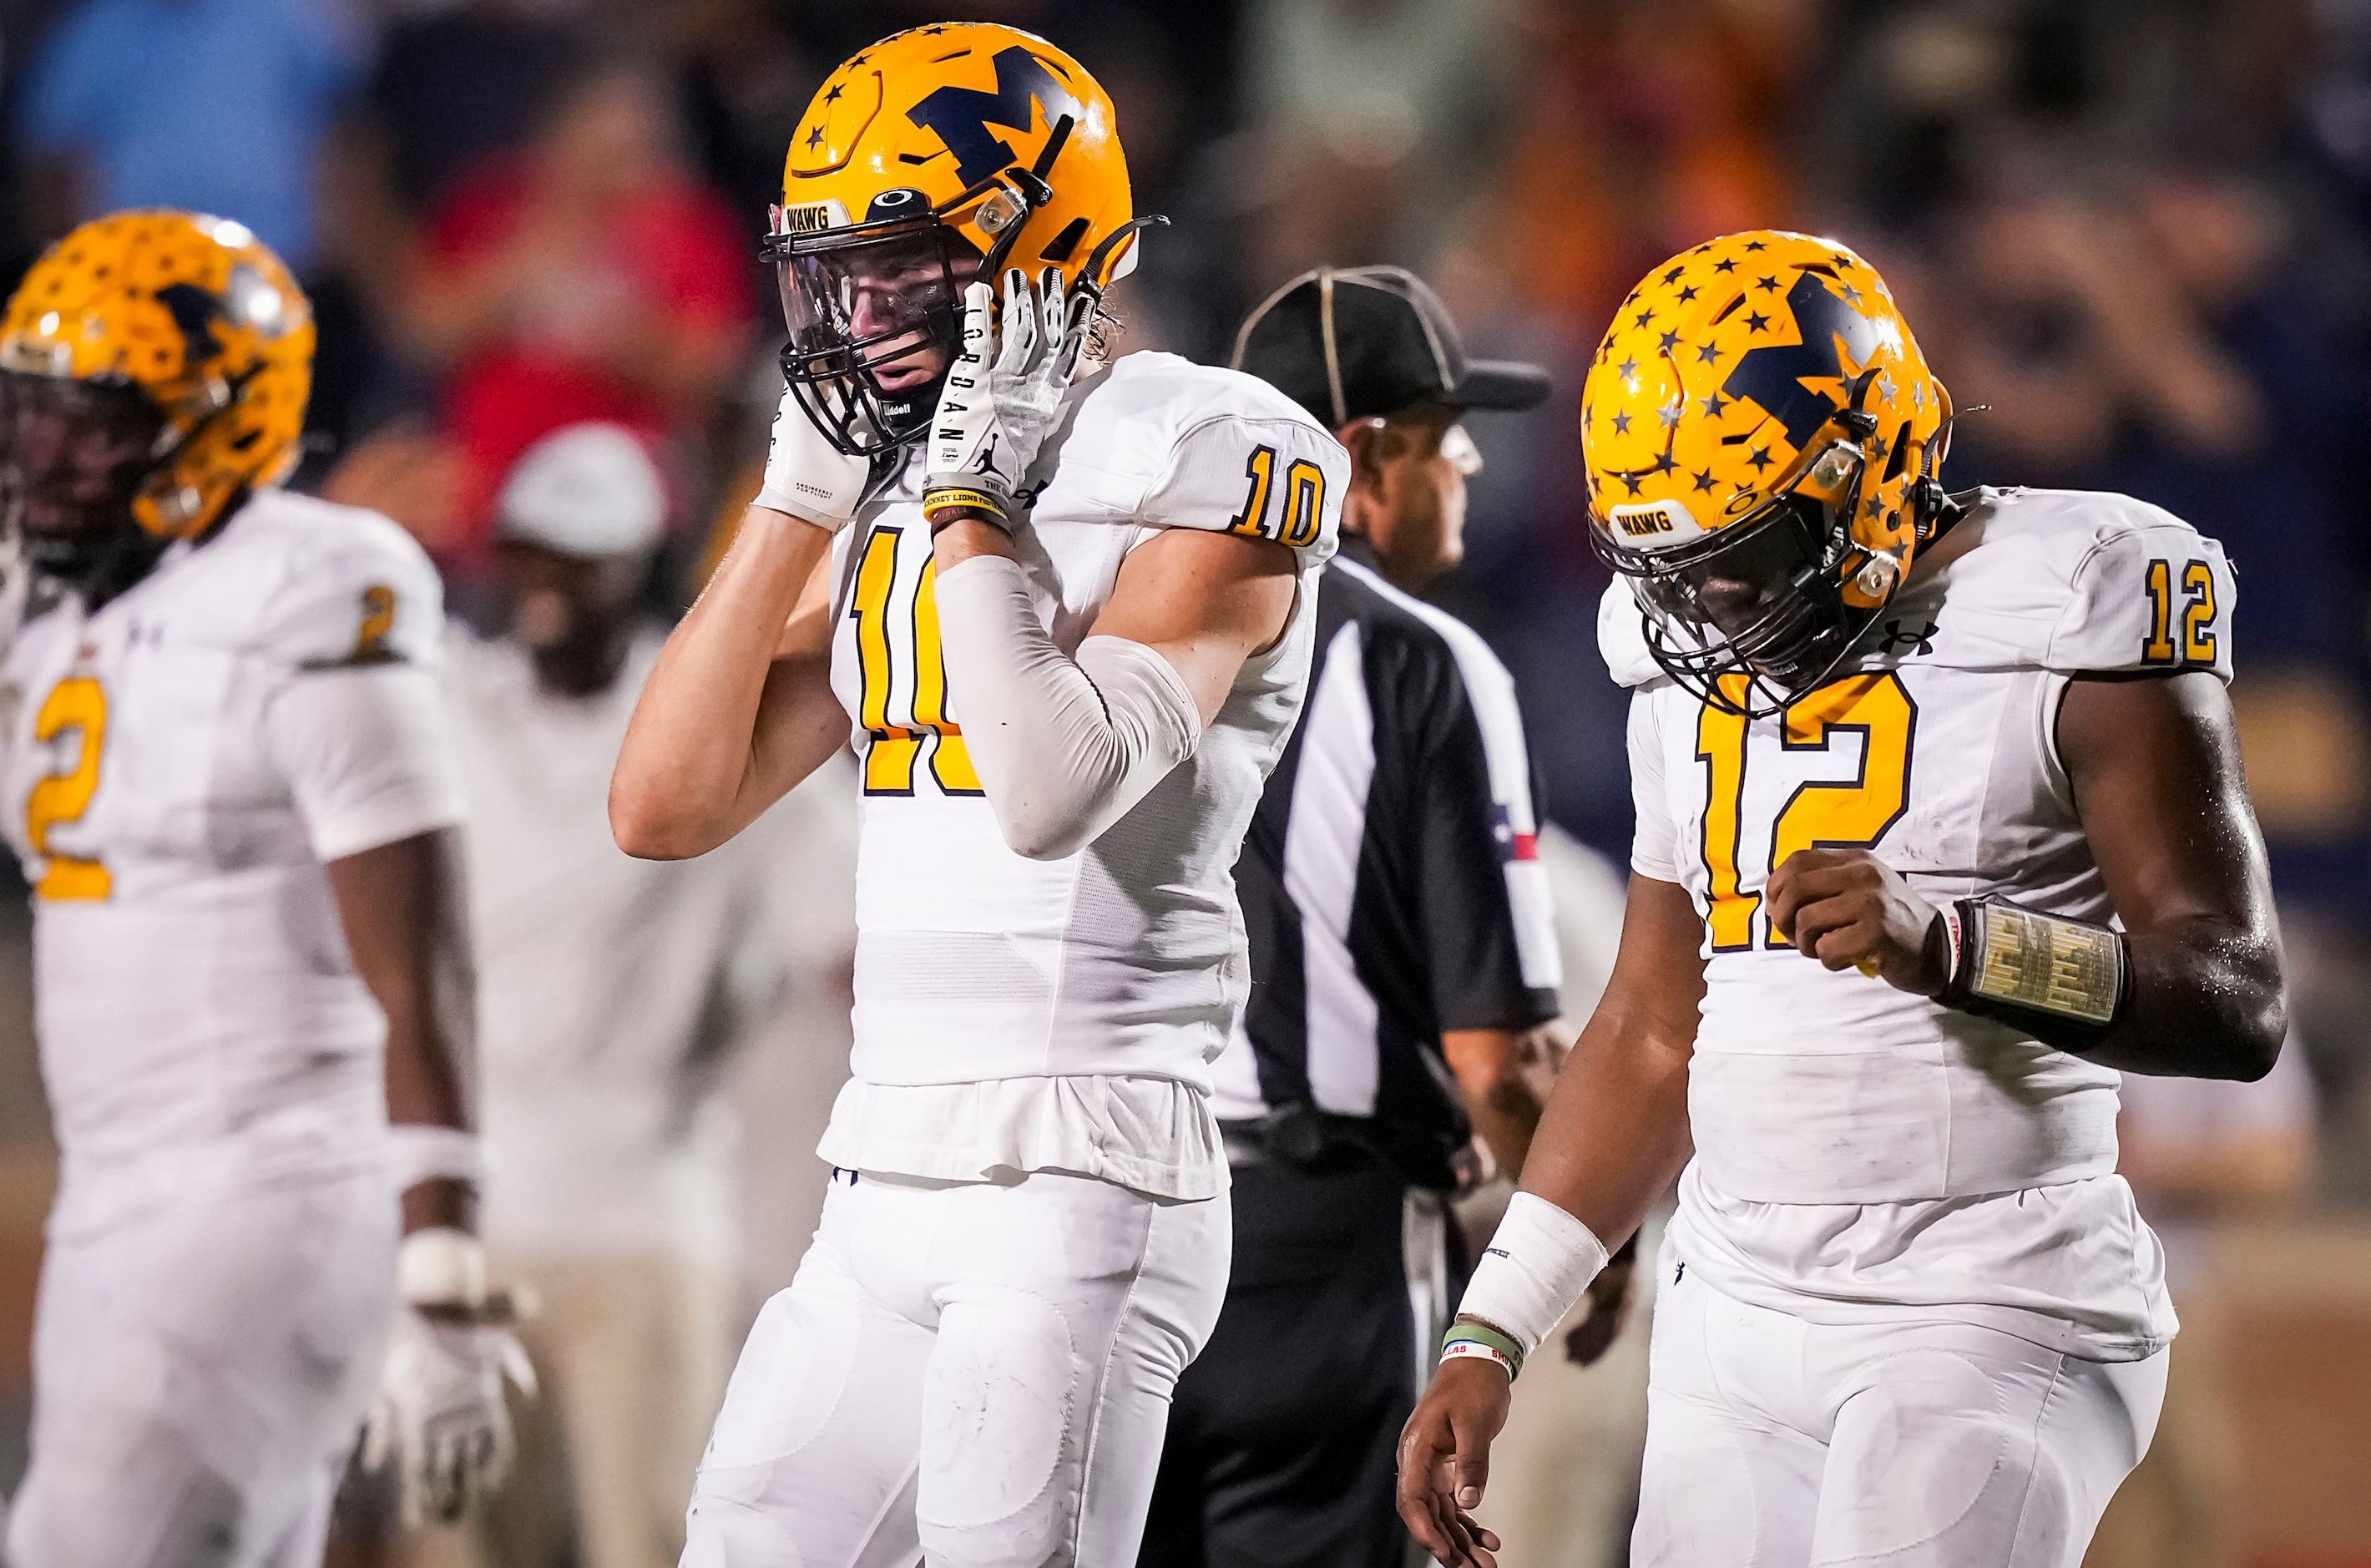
x: 1773, y: 377
x: 962, y: 115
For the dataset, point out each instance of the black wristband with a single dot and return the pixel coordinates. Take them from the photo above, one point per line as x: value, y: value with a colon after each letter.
x: 2064, y: 982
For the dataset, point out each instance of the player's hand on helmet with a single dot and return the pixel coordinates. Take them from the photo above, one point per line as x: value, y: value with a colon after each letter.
x: 440, y: 1416
x: 1002, y: 394
x: 1444, y: 1459
x: 806, y: 476
x: 1850, y: 910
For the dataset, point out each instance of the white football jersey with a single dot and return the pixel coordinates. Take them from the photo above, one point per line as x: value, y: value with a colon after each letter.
x: 1816, y: 1094
x: 180, y: 765
x: 1128, y: 957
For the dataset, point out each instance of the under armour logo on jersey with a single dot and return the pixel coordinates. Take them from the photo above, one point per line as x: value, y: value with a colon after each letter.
x: 1918, y: 639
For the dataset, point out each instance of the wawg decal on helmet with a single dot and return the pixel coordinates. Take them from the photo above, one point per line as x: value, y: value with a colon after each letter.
x: 962, y: 115
x: 1773, y: 375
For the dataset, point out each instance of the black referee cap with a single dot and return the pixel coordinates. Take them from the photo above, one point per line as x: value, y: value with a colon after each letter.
x: 1350, y: 342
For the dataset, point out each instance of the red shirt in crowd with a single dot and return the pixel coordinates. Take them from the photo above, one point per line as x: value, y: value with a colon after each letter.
x: 667, y: 266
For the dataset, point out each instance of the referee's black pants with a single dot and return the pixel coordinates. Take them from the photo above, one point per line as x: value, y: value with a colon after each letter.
x: 1281, y: 1436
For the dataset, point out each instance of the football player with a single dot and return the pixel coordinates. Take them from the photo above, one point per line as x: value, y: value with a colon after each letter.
x: 1067, y: 607
x: 1942, y: 827
x: 228, y: 783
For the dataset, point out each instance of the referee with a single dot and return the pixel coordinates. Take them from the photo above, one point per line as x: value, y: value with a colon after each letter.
x: 1403, y: 956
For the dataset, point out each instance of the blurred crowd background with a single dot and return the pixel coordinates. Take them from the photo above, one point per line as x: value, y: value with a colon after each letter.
x: 2133, y: 236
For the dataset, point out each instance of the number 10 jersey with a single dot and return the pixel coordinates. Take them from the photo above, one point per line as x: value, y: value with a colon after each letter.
x: 1861, y: 1149
x: 1127, y: 959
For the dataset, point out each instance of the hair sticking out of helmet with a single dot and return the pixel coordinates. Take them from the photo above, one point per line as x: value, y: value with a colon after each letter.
x: 1764, y: 443
x: 937, y: 155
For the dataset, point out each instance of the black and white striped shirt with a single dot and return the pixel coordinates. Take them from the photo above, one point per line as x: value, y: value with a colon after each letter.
x: 1389, y: 881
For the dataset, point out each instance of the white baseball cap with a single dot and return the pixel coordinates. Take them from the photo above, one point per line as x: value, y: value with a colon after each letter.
x: 586, y: 490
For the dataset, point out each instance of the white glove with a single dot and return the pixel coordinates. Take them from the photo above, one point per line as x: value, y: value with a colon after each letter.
x: 1003, y: 393
x: 439, y: 1415
x: 807, y: 475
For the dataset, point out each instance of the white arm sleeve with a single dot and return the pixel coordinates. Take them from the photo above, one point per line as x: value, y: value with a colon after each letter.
x: 1064, y: 747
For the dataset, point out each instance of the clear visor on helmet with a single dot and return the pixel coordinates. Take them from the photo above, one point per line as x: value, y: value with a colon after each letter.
x: 874, y: 315
x: 72, y: 455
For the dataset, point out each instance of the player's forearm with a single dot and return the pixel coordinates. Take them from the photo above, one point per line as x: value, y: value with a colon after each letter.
x: 1615, y: 1129
x: 1499, y: 1101
x: 1064, y: 747
x: 695, y: 767
x: 402, y: 906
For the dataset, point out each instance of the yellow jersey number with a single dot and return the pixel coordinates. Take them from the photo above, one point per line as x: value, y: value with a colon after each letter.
x: 1297, y: 513
x: 79, y: 704
x: 2192, y: 640
x: 886, y: 641
x: 1851, y: 813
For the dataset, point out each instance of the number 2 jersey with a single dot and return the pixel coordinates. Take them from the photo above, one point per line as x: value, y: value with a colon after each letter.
x: 1863, y: 1153
x: 1062, y: 1014
x: 180, y: 765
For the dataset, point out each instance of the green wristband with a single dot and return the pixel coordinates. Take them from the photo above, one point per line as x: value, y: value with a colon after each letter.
x: 1489, y: 1339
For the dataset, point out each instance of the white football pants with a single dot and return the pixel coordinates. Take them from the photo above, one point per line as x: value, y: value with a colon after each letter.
x: 974, y: 1373
x: 1776, y: 1443
x: 199, y: 1378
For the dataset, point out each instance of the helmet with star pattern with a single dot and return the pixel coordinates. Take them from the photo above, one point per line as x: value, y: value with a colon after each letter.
x: 153, y: 370
x: 1763, y: 441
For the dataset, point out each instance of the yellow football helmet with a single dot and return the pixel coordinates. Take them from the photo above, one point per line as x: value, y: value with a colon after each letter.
x: 938, y: 154
x: 155, y: 366
x: 1763, y: 443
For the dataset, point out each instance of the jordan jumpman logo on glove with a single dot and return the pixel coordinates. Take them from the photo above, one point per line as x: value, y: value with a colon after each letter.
x: 1003, y: 393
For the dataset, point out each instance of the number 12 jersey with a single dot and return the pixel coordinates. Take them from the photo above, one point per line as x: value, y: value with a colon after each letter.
x: 1861, y: 1150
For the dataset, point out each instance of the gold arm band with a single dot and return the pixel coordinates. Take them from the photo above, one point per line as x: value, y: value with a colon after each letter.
x: 2042, y: 963
x: 953, y: 500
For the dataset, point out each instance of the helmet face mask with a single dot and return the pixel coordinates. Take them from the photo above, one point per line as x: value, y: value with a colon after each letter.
x: 74, y: 455
x: 1759, y: 597
x: 155, y: 366
x: 875, y: 316
x: 937, y: 155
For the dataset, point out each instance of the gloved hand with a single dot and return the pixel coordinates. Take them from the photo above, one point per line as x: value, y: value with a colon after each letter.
x: 1003, y: 393
x: 439, y: 1415
x: 807, y: 475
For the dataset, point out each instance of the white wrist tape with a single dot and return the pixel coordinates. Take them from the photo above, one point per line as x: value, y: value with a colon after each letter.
x: 1538, y: 1263
x: 418, y: 1153
x: 806, y: 476
x: 441, y: 1267
x: 1064, y: 747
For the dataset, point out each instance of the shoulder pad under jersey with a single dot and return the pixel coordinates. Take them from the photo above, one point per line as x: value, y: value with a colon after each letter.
x: 2076, y: 581
x: 339, y: 586
x: 1622, y: 637
x: 1166, y: 443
